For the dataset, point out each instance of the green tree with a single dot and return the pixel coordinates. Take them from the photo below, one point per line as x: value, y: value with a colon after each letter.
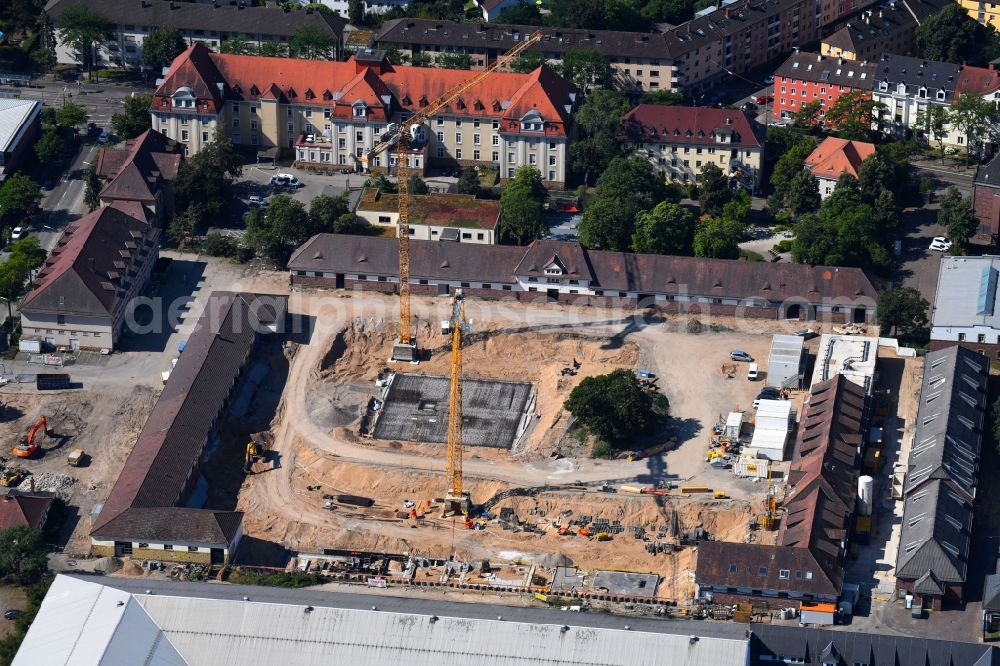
x: 852, y: 114
x: 272, y: 49
x: 92, y: 194
x: 24, y: 558
x: 421, y: 59
x: 787, y: 167
x: 379, y: 181
x: 952, y: 35
x: 957, y: 216
x: 845, y: 232
x: 596, y: 15
x: 134, y: 118
x: 807, y: 117
x: 325, y: 210
x: 50, y: 147
x: 468, y: 182
x: 614, y: 407
x: 161, y: 46
x: 522, y: 207
x: 719, y: 238
x: 627, y: 187
x: 356, y: 12
x: 713, y: 189
x: 311, y: 42
x: 347, y: 223
x: 802, y: 194
x: 523, y: 13
x: 663, y: 98
x: 457, y: 60
x: 901, y: 310
x: 667, y: 229
x: 528, y: 61
x: 599, y: 124
x: 16, y: 193
x: 25, y: 256
x: 280, y: 229
x: 674, y: 12
x: 71, y: 115
x: 933, y: 122
x: 203, y: 183
x: 237, y: 46
x: 587, y: 68
x: 416, y: 185
x: 977, y: 119
x: 84, y: 28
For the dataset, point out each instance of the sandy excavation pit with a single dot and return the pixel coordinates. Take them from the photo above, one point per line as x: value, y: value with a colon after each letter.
x: 416, y: 408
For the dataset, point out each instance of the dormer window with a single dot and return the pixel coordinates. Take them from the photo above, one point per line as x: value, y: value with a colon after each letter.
x: 183, y: 98
x: 901, y: 89
x: 922, y: 93
x: 884, y: 86
x: 532, y: 122
x: 941, y: 95
x: 360, y: 110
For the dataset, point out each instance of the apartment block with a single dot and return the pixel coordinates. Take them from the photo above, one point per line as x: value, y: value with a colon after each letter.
x: 330, y: 114
x: 987, y: 13
x: 810, y: 77
x: 889, y: 28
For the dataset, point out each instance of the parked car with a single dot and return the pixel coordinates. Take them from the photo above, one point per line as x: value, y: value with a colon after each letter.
x: 257, y: 202
x: 763, y: 99
x: 769, y: 393
x: 737, y: 355
x: 769, y: 80
x: 17, y: 233
x: 92, y: 129
x: 286, y: 180
x: 12, y: 614
x: 940, y: 244
x: 103, y: 137
x: 749, y: 107
x: 753, y: 372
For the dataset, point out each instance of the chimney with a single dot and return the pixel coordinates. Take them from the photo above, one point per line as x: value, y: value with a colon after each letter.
x: 840, y: 61
x: 32, y: 484
x: 819, y: 58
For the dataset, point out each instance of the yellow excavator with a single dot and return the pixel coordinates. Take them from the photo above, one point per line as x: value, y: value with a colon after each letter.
x: 256, y: 452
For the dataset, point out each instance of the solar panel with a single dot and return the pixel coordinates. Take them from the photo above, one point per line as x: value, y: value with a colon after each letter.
x: 987, y: 291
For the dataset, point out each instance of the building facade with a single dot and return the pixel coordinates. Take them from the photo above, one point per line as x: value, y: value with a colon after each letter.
x: 987, y: 13
x: 86, y: 290
x: 19, y: 127
x: 966, y: 312
x: 565, y: 272
x: 679, y: 141
x: 199, y: 23
x: 459, y: 218
x: 808, y: 77
x: 329, y: 114
x: 907, y: 88
x: 986, y: 201
x: 889, y: 28
x: 139, y: 177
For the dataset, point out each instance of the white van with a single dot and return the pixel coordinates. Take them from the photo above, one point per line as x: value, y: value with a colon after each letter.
x: 752, y: 372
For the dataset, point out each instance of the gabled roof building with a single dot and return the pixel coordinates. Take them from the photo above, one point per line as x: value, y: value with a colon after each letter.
x: 327, y: 114
x: 806, y: 78
x: 835, y: 157
x: 942, y: 478
x: 140, y: 175
x: 889, y: 28
x: 566, y: 272
x: 145, y: 516
x: 84, y: 290
x: 905, y: 86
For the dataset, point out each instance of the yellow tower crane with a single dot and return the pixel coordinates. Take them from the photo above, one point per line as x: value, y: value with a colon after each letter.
x: 406, y: 139
x: 457, y: 500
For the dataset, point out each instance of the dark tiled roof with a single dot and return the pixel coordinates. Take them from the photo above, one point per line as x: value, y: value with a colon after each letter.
x: 878, y: 24
x: 739, y: 565
x: 988, y: 175
x: 817, y: 68
x: 770, y: 641
x: 991, y: 593
x: 200, y: 16
x: 570, y: 257
x: 916, y: 73
x: 621, y: 271
x: 80, y: 276
x: 173, y: 524
x: 691, y: 125
x: 173, y: 438
x: 935, y: 537
x: 138, y: 171
x: 23, y: 509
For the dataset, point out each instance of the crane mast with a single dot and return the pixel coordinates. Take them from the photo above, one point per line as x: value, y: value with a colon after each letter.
x: 457, y: 500
x: 400, y: 138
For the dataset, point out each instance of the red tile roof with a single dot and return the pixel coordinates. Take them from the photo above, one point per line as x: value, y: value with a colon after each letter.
x: 836, y: 156
x: 691, y: 124
x: 977, y: 80
x: 138, y: 171
x: 20, y: 509
x: 384, y: 88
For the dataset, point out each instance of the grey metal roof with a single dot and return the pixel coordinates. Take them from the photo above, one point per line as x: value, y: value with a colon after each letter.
x: 989, y: 174
x: 991, y: 593
x: 786, y: 349
x: 949, y: 422
x: 826, y: 69
x: 916, y: 73
x: 935, y: 537
x: 957, y: 302
x: 769, y: 641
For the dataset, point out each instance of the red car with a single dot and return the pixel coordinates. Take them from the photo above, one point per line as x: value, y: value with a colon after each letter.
x: 763, y: 99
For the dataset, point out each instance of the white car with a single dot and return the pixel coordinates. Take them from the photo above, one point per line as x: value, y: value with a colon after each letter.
x: 17, y: 233
x: 940, y: 244
x: 286, y: 180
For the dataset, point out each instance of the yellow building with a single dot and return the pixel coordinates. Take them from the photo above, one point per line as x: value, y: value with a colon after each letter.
x: 987, y: 13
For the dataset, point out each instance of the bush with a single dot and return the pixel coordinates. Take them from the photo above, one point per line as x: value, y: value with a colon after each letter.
x: 601, y: 449
x: 783, y: 246
x: 280, y: 579
x: 217, y: 245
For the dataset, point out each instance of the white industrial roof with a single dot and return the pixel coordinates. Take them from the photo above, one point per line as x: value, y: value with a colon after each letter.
x: 787, y: 349
x: 851, y: 356
x: 13, y: 114
x: 967, y: 292
x: 86, y: 623
x: 217, y: 632
x: 773, y: 415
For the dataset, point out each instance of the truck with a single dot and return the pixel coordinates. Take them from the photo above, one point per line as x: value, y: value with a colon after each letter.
x: 51, y: 382
x: 75, y: 457
x: 650, y: 451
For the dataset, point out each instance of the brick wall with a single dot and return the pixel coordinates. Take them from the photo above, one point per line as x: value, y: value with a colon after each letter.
x: 990, y: 350
x: 986, y: 201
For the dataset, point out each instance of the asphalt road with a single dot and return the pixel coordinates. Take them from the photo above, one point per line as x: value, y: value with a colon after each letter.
x: 390, y: 603
x: 100, y: 100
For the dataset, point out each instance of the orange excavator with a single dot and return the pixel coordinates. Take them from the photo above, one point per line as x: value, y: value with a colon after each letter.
x: 29, y: 447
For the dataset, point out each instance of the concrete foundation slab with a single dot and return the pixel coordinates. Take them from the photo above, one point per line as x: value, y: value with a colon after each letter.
x: 626, y: 583
x: 416, y: 409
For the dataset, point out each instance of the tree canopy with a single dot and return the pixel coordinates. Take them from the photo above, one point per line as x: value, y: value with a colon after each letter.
x: 952, y: 35
x: 957, y: 216
x: 16, y: 193
x: 24, y: 558
x: 284, y: 226
x: 902, y: 311
x: 311, y: 42
x: 203, y: 183
x: 663, y: 98
x: 587, y: 68
x: 627, y: 187
x: 468, y: 182
x: 852, y: 115
x: 666, y: 229
x: 522, y: 207
x: 713, y: 189
x: 326, y: 210
x: 456, y: 60
x: 71, y: 115
x: 25, y: 256
x: 134, y: 118
x: 84, y: 28
x: 161, y: 46
x: 598, y: 122
x: 615, y: 407
x: 50, y: 148
x: 787, y: 167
